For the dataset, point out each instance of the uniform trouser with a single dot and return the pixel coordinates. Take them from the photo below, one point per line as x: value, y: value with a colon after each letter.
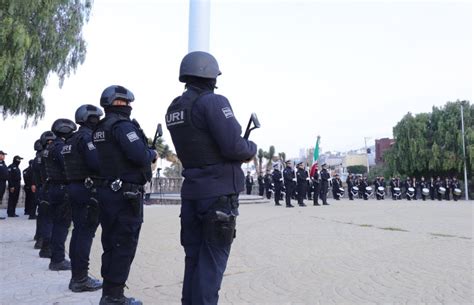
x: 206, y: 253
x: 349, y: 193
x: 334, y: 194
x: 268, y: 193
x: 13, y: 199
x: 316, y: 193
x: 44, y: 221
x: 440, y: 196
x: 289, y: 192
x: 323, y: 193
x: 423, y: 197
x: 29, y: 200
x: 261, y: 190
x: 249, y: 189
x: 301, y: 188
x: 277, y: 194
x: 3, y: 185
x: 121, y: 225
x: 85, y: 219
x: 446, y: 195
x: 61, y: 215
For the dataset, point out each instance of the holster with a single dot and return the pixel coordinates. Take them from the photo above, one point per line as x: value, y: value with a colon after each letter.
x: 134, y: 198
x: 93, y: 210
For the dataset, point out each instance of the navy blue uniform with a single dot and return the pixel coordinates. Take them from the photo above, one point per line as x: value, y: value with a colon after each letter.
x: 248, y: 184
x: 81, y: 162
x: 290, y: 184
x: 56, y: 192
x: 324, y: 185
x: 261, y: 185
x: 124, y: 164
x: 301, y: 185
x: 14, y: 184
x: 3, y: 179
x: 277, y: 185
x: 29, y: 191
x: 213, y: 178
x: 267, y: 180
x: 315, y: 180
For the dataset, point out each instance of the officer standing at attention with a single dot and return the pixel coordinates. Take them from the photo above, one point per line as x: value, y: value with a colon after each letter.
x: 29, y: 189
x: 45, y: 222
x: 125, y: 167
x: 81, y: 165
x: 324, y: 184
x: 249, y: 183
x: 277, y: 179
x: 207, y: 139
x: 261, y: 184
x: 301, y: 183
x: 60, y: 206
x: 350, y: 184
x: 268, y: 184
x: 316, y: 186
x: 3, y: 175
x: 14, y: 184
x: 290, y: 181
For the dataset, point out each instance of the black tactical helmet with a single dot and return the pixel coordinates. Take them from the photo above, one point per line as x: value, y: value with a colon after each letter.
x: 200, y: 64
x: 38, y: 146
x: 63, y: 127
x: 46, y: 136
x: 85, y: 111
x: 115, y: 92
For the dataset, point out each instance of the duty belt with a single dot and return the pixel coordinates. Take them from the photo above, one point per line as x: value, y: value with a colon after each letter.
x: 117, y: 185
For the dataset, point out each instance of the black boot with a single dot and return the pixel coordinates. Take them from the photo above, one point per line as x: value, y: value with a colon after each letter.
x: 45, y: 251
x: 112, y: 294
x: 84, y: 284
x: 60, y: 266
x: 38, y: 243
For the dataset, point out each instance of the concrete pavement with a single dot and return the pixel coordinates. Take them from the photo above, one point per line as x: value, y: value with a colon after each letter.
x: 347, y: 253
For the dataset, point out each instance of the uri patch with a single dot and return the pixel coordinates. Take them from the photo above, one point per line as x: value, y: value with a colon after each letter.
x: 132, y: 136
x: 227, y: 112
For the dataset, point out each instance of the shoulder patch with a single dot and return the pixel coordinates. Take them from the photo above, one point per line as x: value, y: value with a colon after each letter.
x: 132, y: 136
x: 227, y: 112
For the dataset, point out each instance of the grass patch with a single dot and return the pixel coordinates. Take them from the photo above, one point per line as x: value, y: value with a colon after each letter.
x: 392, y: 229
x: 442, y: 235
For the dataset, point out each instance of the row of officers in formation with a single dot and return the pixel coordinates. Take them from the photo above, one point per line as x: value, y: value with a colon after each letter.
x: 95, y: 174
x: 315, y: 185
x: 73, y: 178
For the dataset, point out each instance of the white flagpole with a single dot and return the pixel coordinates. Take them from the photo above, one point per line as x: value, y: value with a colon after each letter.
x: 199, y: 25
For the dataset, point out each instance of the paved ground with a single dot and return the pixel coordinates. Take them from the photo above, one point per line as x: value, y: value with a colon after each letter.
x: 347, y: 253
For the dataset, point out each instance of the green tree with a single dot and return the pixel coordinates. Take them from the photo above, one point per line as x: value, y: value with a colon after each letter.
x: 269, y: 156
x: 431, y: 143
x: 260, y: 155
x: 36, y: 38
x: 357, y: 169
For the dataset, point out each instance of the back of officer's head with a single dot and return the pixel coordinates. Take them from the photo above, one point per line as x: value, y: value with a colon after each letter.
x: 199, y: 69
x: 63, y: 128
x: 88, y: 115
x: 113, y: 93
x: 38, y: 146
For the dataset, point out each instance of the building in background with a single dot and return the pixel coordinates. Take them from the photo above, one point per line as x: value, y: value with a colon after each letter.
x: 381, y: 146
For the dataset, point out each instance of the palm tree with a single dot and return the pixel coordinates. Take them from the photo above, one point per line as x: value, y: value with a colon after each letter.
x: 269, y: 156
x: 260, y: 156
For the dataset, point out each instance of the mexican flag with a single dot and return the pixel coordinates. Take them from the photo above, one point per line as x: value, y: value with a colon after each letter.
x: 314, y: 167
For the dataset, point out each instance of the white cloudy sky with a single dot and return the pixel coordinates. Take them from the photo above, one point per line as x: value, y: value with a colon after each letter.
x: 342, y: 69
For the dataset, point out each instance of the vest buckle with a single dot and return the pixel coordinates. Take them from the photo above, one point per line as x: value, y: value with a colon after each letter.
x: 88, y: 183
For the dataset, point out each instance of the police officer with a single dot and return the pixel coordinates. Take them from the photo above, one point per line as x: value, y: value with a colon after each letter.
x: 277, y: 179
x: 268, y: 184
x: 350, y: 184
x: 29, y: 189
x: 316, y: 186
x: 363, y: 188
x: 447, y: 186
x: 336, y: 184
x: 124, y: 164
x: 249, y: 183
x: 45, y: 219
x: 438, y: 183
x: 324, y: 184
x: 60, y: 205
x: 14, y: 184
x: 36, y: 185
x: 422, y: 185
x: 207, y: 139
x: 455, y: 185
x: 301, y: 183
x: 290, y: 181
x: 3, y: 175
x: 261, y: 184
x: 432, y: 186
x: 81, y: 165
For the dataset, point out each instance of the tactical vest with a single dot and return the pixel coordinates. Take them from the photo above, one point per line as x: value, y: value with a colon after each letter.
x: 75, y: 166
x: 39, y: 170
x: 194, y: 147
x: 54, y: 172
x: 113, y: 162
